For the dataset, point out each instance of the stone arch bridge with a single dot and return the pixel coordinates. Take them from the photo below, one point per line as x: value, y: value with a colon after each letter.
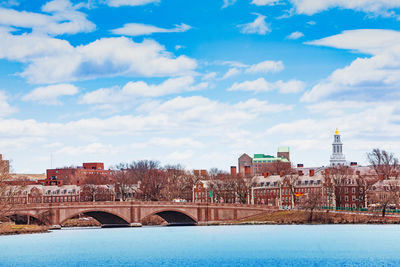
x: 112, y: 214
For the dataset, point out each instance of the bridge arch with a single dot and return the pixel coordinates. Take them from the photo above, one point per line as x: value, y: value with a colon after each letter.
x: 174, y: 217
x: 104, y: 217
x: 26, y: 217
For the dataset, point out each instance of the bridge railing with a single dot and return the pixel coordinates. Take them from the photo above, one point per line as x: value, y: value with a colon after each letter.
x: 146, y: 203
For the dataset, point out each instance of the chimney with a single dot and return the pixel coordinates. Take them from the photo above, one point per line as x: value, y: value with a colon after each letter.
x: 357, y: 172
x: 312, y: 172
x: 233, y: 170
x: 300, y: 165
x: 266, y: 174
x: 300, y: 172
x: 281, y: 174
x: 203, y: 172
x: 353, y: 163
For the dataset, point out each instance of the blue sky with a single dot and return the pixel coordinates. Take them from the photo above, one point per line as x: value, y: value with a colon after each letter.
x: 196, y: 82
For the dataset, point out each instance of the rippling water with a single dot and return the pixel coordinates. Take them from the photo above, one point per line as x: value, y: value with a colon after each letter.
x: 269, y: 245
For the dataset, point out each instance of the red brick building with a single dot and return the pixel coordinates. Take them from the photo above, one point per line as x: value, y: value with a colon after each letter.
x: 76, y: 175
x: 4, y: 165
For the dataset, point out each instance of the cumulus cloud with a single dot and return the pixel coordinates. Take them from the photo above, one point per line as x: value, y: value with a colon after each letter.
x: 49, y: 95
x: 261, y: 85
x: 209, y: 76
x: 63, y: 19
x: 258, y: 26
x: 106, y: 57
x: 89, y: 149
x: 265, y: 2
x: 374, y: 77
x: 194, y: 114
x: 364, y: 125
x: 118, y: 3
x: 228, y: 3
x: 137, y: 29
x: 295, y: 35
x: 266, y: 66
x: 377, y: 7
x: 5, y: 108
x: 258, y: 106
x: 175, y: 142
x: 131, y: 90
x: 230, y: 73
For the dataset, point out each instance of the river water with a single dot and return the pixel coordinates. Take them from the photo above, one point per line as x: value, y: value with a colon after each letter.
x: 260, y: 245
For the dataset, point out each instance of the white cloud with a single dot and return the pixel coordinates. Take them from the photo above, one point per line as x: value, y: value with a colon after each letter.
x: 9, y: 3
x: 118, y: 3
x: 64, y: 19
x: 5, y: 108
x: 137, y: 29
x: 231, y: 72
x: 266, y: 66
x: 363, y: 126
x: 179, y: 156
x: 295, y: 35
x: 377, y: 7
x: 261, y: 85
x: 265, y: 2
x: 209, y: 76
x: 49, y: 95
x: 375, y: 77
x: 235, y: 64
x: 175, y: 142
x: 132, y: 90
x: 106, y: 57
x: 369, y: 41
x: 257, y: 106
x: 228, y: 3
x: 90, y: 149
x: 183, y: 115
x: 258, y: 26
x: 178, y: 47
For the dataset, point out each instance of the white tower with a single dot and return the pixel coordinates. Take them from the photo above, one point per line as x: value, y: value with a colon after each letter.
x: 337, y: 157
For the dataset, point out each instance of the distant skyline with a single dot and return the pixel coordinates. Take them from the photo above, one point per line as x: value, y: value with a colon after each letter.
x: 196, y: 82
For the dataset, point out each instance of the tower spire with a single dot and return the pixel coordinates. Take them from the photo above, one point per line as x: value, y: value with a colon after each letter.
x: 337, y: 157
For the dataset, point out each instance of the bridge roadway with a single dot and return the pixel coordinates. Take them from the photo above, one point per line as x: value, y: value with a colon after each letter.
x: 131, y: 213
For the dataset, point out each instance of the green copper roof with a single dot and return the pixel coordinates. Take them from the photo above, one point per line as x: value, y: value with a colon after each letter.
x: 267, y: 158
x: 262, y: 156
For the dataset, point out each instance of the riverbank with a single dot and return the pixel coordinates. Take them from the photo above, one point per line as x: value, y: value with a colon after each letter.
x: 325, y: 217
x: 14, y: 229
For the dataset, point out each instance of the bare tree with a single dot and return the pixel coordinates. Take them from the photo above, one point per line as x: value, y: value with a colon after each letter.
x: 92, y: 186
x: 336, y: 179
x: 277, y: 167
x: 8, y: 190
x: 291, y: 179
x: 125, y: 181
x: 5, y: 191
x: 153, y: 183
x: 386, y: 193
x: 311, y: 202
x: 180, y: 183
x: 385, y: 164
x: 365, y: 185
